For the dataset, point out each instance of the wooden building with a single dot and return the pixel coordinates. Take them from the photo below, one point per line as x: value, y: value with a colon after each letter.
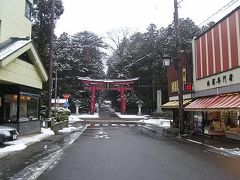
x: 21, y: 71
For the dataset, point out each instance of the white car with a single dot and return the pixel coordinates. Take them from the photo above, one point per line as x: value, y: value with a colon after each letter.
x: 8, y: 134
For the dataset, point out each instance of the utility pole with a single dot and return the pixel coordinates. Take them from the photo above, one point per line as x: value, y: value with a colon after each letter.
x: 179, y: 69
x: 50, y: 70
x: 55, y: 89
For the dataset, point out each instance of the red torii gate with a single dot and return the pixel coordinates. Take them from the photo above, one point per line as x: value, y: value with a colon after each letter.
x: 120, y: 85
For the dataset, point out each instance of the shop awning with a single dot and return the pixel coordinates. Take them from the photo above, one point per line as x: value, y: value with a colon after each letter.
x: 175, y: 104
x: 215, y: 103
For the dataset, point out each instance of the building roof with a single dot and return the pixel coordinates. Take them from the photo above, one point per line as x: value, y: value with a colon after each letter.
x: 14, y: 47
x: 225, y: 17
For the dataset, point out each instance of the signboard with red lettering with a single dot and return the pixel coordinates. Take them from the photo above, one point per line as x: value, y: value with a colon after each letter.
x: 66, y: 96
x: 187, y: 87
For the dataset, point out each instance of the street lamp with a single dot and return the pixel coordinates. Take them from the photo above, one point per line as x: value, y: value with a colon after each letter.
x: 178, y: 65
x: 166, y: 60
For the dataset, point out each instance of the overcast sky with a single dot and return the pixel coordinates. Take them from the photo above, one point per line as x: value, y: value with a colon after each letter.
x: 101, y: 16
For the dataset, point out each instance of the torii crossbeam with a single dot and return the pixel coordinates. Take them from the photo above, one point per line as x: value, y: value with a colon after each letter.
x: 120, y: 85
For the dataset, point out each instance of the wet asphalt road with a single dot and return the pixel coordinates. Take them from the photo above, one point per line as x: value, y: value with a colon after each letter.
x: 127, y: 153
x: 22, y: 164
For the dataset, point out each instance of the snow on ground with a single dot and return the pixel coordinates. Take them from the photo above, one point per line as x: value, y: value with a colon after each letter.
x: 73, y: 117
x: 68, y: 129
x: 234, y: 151
x: 129, y: 116
x: 23, y: 141
x: 224, y: 151
x: 159, y: 122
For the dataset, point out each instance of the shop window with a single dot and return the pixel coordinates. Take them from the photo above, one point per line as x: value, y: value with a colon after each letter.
x: 184, y: 75
x: 174, y: 86
x: 10, y: 108
x: 28, y: 108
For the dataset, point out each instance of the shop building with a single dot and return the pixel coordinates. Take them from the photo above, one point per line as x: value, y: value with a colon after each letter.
x: 172, y: 75
x: 216, y: 78
x: 21, y: 71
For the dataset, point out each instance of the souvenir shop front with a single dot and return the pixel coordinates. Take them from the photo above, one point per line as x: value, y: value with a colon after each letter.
x: 217, y: 115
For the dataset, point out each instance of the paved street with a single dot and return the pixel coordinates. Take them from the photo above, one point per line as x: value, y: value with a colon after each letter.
x: 22, y: 164
x: 106, y: 152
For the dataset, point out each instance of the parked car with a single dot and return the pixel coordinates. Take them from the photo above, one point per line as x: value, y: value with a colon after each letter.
x: 8, y: 134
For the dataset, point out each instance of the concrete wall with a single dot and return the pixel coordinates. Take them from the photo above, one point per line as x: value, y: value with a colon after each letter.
x: 13, y: 20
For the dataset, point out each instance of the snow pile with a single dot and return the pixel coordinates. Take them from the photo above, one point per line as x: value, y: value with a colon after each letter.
x: 130, y: 116
x: 158, y: 122
x: 22, y: 142
x: 12, y: 148
x: 68, y: 130
x: 234, y: 151
x: 75, y: 117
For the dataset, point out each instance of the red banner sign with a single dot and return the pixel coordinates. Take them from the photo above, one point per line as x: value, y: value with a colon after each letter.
x: 187, y: 87
x: 66, y: 96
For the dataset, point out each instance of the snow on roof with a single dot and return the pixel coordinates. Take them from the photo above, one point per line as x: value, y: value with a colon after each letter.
x: 12, y: 45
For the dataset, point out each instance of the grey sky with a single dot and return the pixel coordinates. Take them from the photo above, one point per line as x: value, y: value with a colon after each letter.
x: 101, y: 16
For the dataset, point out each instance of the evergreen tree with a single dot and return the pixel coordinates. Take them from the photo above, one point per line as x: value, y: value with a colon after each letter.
x: 77, y: 56
x: 141, y: 54
x: 41, y: 17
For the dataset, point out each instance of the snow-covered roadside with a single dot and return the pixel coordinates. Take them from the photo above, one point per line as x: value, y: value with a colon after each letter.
x: 158, y: 122
x: 221, y: 150
x: 74, y: 117
x: 129, y: 116
x: 23, y: 141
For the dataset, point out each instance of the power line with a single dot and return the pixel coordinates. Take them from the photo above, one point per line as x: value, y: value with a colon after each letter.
x: 225, y: 7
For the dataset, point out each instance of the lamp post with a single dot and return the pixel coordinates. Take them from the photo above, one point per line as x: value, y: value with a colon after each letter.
x: 178, y: 66
x: 139, y: 103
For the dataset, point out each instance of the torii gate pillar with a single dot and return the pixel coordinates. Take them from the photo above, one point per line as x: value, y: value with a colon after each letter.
x: 123, y: 100
x: 92, y: 108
